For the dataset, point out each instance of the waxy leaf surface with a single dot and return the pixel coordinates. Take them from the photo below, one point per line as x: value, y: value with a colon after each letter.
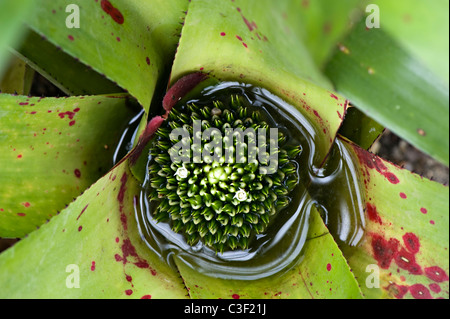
x: 52, y: 149
x: 130, y: 42
x: 238, y: 41
x: 406, y: 233
x: 92, y: 249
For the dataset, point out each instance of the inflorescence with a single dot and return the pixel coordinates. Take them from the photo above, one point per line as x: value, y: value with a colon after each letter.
x: 215, y: 198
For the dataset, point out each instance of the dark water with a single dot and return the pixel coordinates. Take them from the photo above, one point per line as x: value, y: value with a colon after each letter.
x: 333, y: 189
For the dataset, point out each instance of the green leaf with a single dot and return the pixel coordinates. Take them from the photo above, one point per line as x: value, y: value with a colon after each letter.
x: 360, y: 128
x: 421, y: 27
x: 327, y: 20
x: 12, y: 15
x: 239, y: 41
x: 94, y: 240
x: 130, y: 42
x: 321, y: 272
x: 52, y: 150
x: 68, y: 74
x: 17, y: 78
x: 407, y: 222
x: 393, y: 88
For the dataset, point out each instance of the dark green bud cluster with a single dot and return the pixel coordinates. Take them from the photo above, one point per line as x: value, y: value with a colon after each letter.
x: 213, y: 197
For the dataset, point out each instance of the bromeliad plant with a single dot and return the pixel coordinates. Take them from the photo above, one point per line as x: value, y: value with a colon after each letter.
x: 75, y: 192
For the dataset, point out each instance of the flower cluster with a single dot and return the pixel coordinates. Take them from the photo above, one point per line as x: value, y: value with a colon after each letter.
x: 230, y: 192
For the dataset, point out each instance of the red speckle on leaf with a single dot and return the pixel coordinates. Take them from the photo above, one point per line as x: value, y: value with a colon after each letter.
x: 250, y: 25
x: 406, y: 260
x: 128, y: 292
x: 82, y: 211
x: 328, y: 267
x: 223, y: 34
x: 69, y: 114
x: 399, y: 290
x: 411, y: 242
x: 93, y: 266
x: 77, y: 173
x: 106, y: 6
x: 115, y: 14
x: 372, y: 161
x: 128, y: 250
x: 239, y: 38
x: 235, y: 296
x: 373, y: 214
x: 129, y: 253
x: 436, y: 274
x: 144, y: 264
x: 146, y: 297
x: 419, y: 291
x: 123, y: 219
x: 21, y: 214
x: 23, y: 103
x: 334, y: 96
x: 71, y: 38
x: 391, y: 178
x: 80, y: 228
x: 435, y: 288
x: 432, y: 222
x: 403, y: 195
x: 123, y: 188
x: 384, y: 251
x: 26, y: 204
x: 71, y: 123
x: 19, y: 156
x: 147, y: 60
x: 423, y: 210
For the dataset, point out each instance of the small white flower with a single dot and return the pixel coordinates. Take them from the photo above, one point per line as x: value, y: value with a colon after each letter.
x: 182, y: 172
x: 241, y: 195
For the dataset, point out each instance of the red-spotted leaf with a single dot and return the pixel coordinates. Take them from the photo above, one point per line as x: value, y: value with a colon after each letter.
x: 52, y: 149
x: 239, y: 41
x: 405, y: 250
x: 130, y: 42
x: 92, y: 249
x: 320, y: 271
